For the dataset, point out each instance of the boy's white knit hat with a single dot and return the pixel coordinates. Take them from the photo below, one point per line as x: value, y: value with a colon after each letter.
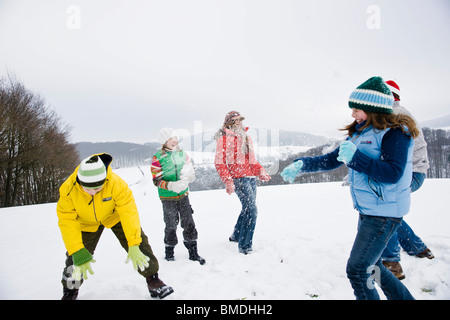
x: 92, y: 172
x: 165, y: 134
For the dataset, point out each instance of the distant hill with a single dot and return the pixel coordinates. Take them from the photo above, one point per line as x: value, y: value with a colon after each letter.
x: 125, y: 154
x: 437, y: 123
x: 264, y: 137
x: 285, y: 146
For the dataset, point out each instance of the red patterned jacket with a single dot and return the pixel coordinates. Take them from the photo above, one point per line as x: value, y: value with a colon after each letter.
x: 235, y: 158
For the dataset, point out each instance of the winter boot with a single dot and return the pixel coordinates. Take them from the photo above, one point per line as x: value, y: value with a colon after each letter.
x: 425, y: 254
x: 193, y: 254
x: 157, y: 288
x: 395, y: 268
x: 170, y: 253
x: 69, y: 294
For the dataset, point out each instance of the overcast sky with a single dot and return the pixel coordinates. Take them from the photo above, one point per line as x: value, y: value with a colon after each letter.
x: 120, y: 70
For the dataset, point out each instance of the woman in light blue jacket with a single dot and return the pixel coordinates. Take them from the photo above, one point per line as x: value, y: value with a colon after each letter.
x: 378, y: 153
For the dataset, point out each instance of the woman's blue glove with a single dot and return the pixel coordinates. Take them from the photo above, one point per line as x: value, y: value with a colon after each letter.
x: 347, y: 150
x: 290, y: 172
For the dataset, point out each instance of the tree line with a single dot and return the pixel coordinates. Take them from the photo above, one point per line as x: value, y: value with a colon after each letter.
x: 35, y: 153
x: 438, y: 148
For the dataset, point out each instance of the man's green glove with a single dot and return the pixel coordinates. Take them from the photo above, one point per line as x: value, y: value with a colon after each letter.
x: 79, y: 271
x: 138, y: 259
x: 81, y: 264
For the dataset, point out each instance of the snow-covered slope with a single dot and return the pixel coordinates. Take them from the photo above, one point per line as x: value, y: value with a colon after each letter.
x: 301, y: 245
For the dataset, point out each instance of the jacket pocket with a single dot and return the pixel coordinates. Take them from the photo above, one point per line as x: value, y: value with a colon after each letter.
x: 376, y: 188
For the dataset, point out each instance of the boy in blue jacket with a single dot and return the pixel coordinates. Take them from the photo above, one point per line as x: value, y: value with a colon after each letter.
x: 378, y: 153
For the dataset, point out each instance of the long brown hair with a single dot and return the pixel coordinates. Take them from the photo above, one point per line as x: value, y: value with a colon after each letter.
x: 382, y: 121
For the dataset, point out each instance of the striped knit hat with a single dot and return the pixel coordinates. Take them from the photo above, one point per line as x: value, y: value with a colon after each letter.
x: 372, y: 96
x: 92, y: 173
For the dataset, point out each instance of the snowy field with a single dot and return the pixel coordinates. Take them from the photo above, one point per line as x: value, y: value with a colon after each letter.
x: 302, y: 241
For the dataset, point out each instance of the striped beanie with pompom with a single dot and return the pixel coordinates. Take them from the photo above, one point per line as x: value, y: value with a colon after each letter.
x: 92, y: 172
x: 372, y: 96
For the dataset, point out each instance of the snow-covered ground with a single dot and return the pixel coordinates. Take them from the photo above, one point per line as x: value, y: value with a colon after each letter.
x: 302, y: 241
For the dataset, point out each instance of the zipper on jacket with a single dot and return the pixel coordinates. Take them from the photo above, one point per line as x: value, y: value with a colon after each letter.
x: 175, y: 164
x: 376, y: 188
x: 71, y: 188
x: 93, y: 207
x: 350, y: 178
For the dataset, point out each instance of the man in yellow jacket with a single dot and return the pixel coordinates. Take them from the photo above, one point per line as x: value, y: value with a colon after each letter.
x: 92, y: 198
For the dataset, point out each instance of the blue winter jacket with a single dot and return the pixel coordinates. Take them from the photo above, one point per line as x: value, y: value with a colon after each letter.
x: 380, y: 172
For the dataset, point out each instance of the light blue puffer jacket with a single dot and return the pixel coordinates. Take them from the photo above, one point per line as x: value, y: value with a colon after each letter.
x: 371, y: 197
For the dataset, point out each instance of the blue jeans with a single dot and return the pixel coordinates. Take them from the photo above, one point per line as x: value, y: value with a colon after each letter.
x: 405, y: 236
x: 245, y: 189
x: 407, y: 239
x: 364, y: 265
x: 417, y: 181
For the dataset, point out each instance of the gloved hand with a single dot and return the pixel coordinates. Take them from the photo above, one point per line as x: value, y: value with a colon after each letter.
x: 263, y: 176
x: 229, y: 186
x: 290, y: 172
x: 138, y: 259
x: 187, y: 174
x: 177, y: 186
x: 347, y: 150
x: 81, y: 270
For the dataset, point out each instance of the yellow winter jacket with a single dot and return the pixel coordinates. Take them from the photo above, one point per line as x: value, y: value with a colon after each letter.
x: 78, y: 211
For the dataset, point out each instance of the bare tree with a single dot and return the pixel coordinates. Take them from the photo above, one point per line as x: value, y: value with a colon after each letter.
x: 35, y: 155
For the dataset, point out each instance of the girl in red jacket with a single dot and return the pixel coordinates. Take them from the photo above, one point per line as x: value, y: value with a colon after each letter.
x: 236, y: 165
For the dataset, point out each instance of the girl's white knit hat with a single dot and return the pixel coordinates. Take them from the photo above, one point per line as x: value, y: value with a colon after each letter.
x: 92, y: 172
x: 165, y: 134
